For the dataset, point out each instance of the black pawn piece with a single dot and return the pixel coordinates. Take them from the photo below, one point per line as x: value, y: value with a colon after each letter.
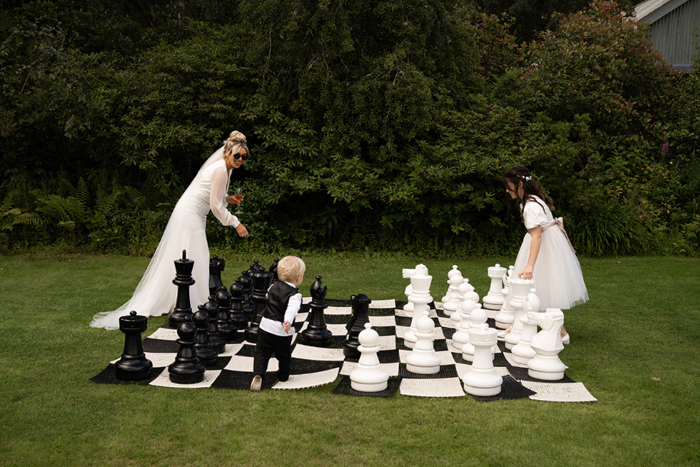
x: 238, y: 316
x: 183, y: 309
x: 227, y: 328
x: 186, y: 369
x: 212, y: 309
x: 360, y: 316
x: 261, y: 282
x: 205, y: 350
x: 133, y: 366
x: 216, y: 266
x: 317, y: 333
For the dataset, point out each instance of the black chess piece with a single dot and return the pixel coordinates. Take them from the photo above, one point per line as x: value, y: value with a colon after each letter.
x: 216, y: 266
x: 133, y: 366
x: 256, y: 267
x: 317, y: 333
x: 186, y: 369
x: 273, y: 270
x: 238, y: 316
x: 247, y: 303
x: 360, y: 316
x: 183, y: 279
x: 205, y: 350
x: 227, y: 328
x: 212, y: 309
x: 261, y: 282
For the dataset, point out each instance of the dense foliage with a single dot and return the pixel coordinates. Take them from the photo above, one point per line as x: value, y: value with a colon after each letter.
x: 382, y: 125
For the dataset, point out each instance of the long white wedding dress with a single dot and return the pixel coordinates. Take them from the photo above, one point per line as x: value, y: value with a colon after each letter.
x: 155, y: 295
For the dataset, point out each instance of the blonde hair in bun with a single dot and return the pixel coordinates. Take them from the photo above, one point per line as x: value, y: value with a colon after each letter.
x: 235, y: 142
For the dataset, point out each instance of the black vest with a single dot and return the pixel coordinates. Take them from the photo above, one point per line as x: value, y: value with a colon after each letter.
x: 277, y: 300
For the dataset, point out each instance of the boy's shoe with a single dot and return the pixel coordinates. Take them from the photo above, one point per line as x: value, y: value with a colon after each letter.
x: 256, y: 385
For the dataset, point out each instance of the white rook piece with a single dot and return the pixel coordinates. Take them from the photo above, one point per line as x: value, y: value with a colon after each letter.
x: 523, y: 352
x: 420, y: 297
x: 369, y: 376
x: 504, y: 318
x: 423, y: 360
x: 519, y: 289
x: 493, y: 301
x: 547, y: 345
x: 482, y: 379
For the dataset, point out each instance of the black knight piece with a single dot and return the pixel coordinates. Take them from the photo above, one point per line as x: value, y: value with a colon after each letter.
x: 186, y: 369
x: 183, y: 309
x: 360, y: 316
x: 273, y: 270
x: 216, y: 266
x: 317, y: 333
x: 133, y: 366
x: 261, y: 282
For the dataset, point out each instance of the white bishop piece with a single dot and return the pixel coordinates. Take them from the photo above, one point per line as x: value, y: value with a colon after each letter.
x: 423, y: 360
x: 482, y: 379
x: 547, y: 345
x: 420, y: 297
x: 369, y: 376
x: 494, y: 299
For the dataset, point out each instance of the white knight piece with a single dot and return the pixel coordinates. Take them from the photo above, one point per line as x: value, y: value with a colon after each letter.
x: 547, y: 345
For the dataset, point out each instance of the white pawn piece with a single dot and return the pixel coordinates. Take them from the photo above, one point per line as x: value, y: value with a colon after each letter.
x: 420, y: 297
x: 452, y: 272
x: 504, y: 318
x: 547, y: 345
x: 523, y: 352
x: 423, y: 360
x: 518, y: 289
x: 464, y: 288
x: 477, y: 319
x: 493, y: 301
x: 482, y: 379
x: 461, y: 336
x: 450, y: 306
x: 368, y: 376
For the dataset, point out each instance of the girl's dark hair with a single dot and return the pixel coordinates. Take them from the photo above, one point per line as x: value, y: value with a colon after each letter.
x: 518, y: 174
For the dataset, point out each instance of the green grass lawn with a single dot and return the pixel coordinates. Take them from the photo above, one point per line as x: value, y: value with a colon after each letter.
x: 634, y: 346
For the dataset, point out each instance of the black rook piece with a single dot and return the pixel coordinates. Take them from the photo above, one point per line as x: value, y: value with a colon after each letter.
x: 183, y: 310
x: 216, y: 265
x: 317, y: 333
x: 206, y: 352
x: 133, y: 365
x: 186, y: 369
x: 261, y: 282
x: 360, y: 316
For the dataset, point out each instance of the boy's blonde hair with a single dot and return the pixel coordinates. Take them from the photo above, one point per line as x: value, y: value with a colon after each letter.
x: 289, y: 268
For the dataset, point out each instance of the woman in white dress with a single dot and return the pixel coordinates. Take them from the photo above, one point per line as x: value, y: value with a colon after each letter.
x: 546, y: 254
x: 155, y: 295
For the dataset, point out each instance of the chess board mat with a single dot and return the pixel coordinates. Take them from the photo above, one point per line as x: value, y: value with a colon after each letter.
x: 316, y: 366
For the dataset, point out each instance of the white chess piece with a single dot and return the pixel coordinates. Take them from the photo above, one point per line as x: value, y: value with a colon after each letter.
x: 477, y: 319
x: 504, y: 318
x: 408, y: 307
x: 547, y: 345
x: 493, y: 301
x: 423, y: 360
x: 523, y: 352
x: 482, y: 378
x: 464, y: 294
x: 452, y: 272
x: 450, y: 306
x: 368, y: 375
x: 420, y: 297
x: 519, y: 289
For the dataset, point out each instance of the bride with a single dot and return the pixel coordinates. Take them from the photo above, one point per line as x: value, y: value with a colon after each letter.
x: 156, y: 294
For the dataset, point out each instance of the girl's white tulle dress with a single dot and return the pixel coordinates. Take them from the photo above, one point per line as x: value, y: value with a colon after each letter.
x: 557, y: 273
x: 156, y: 294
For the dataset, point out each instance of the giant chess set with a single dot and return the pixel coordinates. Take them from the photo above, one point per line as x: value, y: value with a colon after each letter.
x: 419, y: 347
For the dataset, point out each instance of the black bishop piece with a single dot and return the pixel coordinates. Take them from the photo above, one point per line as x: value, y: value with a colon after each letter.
x: 317, y: 333
x: 183, y: 309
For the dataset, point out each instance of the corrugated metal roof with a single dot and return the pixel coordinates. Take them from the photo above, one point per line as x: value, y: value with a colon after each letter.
x: 652, y: 10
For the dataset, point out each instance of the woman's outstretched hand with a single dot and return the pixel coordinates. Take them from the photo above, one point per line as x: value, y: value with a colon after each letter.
x: 233, y: 200
x: 242, y: 231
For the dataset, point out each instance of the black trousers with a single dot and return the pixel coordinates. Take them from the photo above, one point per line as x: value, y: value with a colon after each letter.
x: 267, y: 345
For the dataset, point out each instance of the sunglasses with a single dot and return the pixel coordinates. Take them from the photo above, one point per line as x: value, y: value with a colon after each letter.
x: 237, y: 156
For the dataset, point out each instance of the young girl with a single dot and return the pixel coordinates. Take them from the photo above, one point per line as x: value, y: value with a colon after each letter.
x: 546, y: 255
